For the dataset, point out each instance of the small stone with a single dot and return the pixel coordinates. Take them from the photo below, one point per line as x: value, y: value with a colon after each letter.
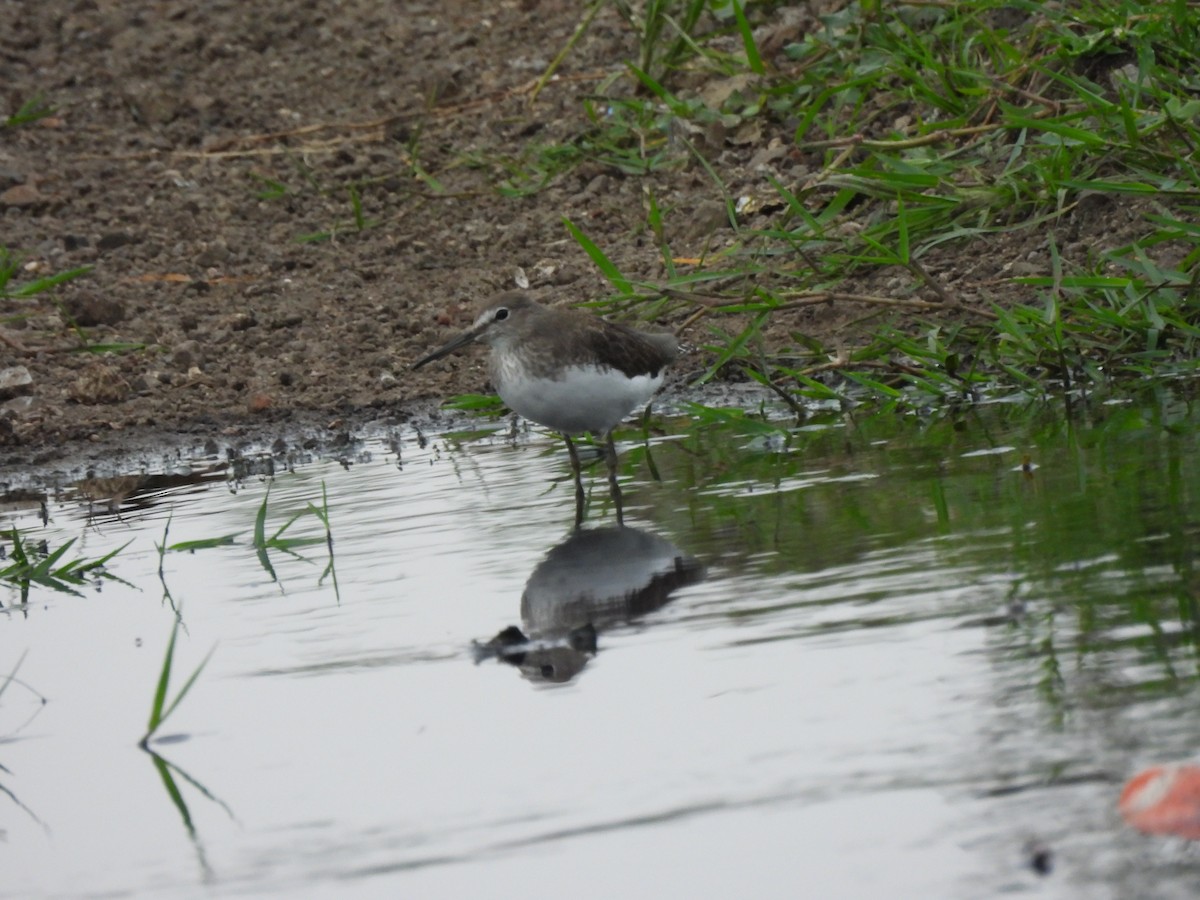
x: 14, y: 381
x: 717, y: 91
x: 185, y: 356
x: 114, y: 239
x: 545, y: 271
x: 766, y: 156
x: 151, y: 381
x: 387, y: 380
x: 88, y: 309
x: 748, y: 133
x: 1019, y: 268
x: 239, y: 321
x: 150, y: 105
x: 707, y: 218
x: 21, y: 195
x: 99, y: 383
x: 214, y: 255
x: 260, y: 403
x: 597, y: 187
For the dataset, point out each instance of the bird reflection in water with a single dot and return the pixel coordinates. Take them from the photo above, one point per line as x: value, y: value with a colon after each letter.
x: 594, y: 580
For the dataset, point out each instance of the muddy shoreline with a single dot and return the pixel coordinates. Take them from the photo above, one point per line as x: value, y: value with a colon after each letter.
x: 189, y: 156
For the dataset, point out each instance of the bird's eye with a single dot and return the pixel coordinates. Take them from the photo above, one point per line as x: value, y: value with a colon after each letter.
x: 501, y: 314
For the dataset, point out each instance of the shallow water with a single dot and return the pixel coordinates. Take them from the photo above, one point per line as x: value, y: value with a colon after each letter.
x: 865, y: 658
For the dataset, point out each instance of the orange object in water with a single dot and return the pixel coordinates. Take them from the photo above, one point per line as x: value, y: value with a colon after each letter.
x: 1164, y: 800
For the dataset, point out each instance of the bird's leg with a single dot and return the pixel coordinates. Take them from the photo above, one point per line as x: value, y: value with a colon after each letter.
x: 579, y: 495
x: 610, y: 453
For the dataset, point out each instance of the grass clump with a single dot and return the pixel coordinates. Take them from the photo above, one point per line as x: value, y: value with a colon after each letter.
x: 37, y: 565
x: 927, y: 132
x: 18, y: 299
x: 32, y: 110
x: 11, y: 292
x: 264, y: 543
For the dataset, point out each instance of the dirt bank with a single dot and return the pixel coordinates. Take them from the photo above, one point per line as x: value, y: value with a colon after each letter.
x: 191, y: 147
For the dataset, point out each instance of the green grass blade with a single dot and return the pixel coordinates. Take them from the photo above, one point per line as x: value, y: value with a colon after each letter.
x: 41, y: 285
x: 734, y: 347
x: 159, y: 710
x: 274, y: 539
x: 31, y: 110
x: 602, y: 262
x: 47, y: 564
x: 187, y: 685
x: 260, y: 522
x: 356, y: 208
x: 753, y: 59
x: 223, y: 540
x: 109, y: 348
x: 164, y: 680
x: 323, y: 514
x: 673, y: 103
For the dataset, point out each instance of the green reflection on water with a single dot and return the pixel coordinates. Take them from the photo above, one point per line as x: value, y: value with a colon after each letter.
x: 1091, y: 518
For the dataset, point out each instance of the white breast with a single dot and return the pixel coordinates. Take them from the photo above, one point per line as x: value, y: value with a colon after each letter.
x: 583, y: 398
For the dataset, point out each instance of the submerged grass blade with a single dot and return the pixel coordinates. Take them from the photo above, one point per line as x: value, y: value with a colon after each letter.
x: 323, y: 515
x: 224, y: 540
x: 277, y: 541
x: 13, y: 674
x: 164, y: 772
x: 260, y: 536
x: 24, y: 572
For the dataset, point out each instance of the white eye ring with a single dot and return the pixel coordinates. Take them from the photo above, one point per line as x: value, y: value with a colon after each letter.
x: 501, y: 314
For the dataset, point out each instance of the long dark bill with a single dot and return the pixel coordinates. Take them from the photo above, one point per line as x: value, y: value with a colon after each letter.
x: 465, y: 338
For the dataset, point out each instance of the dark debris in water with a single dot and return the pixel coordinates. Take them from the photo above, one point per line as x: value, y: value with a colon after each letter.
x: 511, y: 645
x: 1040, y: 857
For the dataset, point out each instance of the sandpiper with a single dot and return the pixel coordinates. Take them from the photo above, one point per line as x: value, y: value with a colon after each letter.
x: 567, y: 370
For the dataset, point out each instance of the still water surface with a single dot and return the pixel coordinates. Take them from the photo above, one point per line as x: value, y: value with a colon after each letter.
x: 867, y: 658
